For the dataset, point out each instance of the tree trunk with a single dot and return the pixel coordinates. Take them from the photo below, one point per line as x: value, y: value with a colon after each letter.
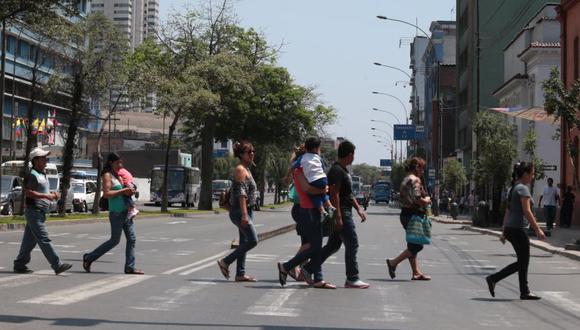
x: 207, y: 141
x: 68, y: 151
x: 164, y: 186
x: 30, y: 138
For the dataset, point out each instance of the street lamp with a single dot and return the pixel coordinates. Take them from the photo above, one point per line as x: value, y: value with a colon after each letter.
x: 390, y: 113
x: 398, y: 99
x: 394, y: 68
x: 404, y: 22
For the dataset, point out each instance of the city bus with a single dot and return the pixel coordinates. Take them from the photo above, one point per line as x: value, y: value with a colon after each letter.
x: 183, y: 185
x: 356, y: 184
x: 382, y: 192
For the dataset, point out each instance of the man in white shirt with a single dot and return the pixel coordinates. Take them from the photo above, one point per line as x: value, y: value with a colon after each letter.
x: 551, y: 198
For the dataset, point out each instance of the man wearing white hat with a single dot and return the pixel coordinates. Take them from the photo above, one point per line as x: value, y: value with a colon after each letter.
x: 38, y: 197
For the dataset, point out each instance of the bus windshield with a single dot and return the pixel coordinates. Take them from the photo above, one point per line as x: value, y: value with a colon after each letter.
x: 175, y: 179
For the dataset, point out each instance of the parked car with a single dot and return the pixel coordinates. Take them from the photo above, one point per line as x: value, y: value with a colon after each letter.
x: 11, y: 195
x: 83, y: 194
x: 54, y: 183
x: 218, y: 187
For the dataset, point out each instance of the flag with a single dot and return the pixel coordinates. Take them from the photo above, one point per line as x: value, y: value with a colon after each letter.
x: 35, y: 124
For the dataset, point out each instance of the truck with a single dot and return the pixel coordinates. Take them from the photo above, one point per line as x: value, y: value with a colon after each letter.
x: 382, y: 192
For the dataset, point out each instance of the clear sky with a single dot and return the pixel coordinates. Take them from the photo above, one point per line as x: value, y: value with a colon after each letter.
x: 332, y: 44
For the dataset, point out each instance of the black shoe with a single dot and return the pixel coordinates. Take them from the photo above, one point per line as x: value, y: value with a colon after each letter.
x: 530, y: 296
x: 391, y: 269
x: 23, y: 270
x: 62, y: 268
x: 134, y: 271
x: 282, y: 274
x: 490, y: 286
x: 86, y: 263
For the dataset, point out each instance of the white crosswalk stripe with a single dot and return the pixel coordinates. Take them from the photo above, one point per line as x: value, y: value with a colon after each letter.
x: 171, y: 299
x: 89, y: 290
x: 272, y: 304
x: 24, y: 279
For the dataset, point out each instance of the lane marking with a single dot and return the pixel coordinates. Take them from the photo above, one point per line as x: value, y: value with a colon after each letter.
x: 176, y: 222
x: 563, y: 300
x: 213, y: 258
x: 86, y: 291
x: 271, y: 304
x: 24, y: 279
x: 171, y: 299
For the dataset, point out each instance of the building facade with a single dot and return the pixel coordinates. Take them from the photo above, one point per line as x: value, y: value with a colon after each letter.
x: 417, y: 116
x: 569, y: 17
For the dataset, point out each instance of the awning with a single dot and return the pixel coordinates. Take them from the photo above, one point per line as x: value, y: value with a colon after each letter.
x: 537, y: 114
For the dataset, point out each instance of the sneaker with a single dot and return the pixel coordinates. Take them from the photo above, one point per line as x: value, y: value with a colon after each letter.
x: 62, y: 268
x: 86, y: 263
x: 530, y: 296
x: 358, y: 284
x: 331, y: 211
x: 23, y: 270
x: 133, y: 213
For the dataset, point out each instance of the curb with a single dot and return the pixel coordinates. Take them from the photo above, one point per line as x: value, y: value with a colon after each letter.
x: 452, y: 222
x: 535, y: 243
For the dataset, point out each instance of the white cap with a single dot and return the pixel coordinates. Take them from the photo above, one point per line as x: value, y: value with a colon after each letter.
x: 38, y: 152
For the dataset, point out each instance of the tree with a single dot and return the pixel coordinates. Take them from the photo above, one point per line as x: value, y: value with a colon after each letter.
x: 397, y: 175
x: 454, y: 175
x: 564, y: 103
x: 29, y: 11
x: 530, y: 150
x: 369, y: 173
x: 496, y: 150
x: 95, y: 48
x: 223, y: 168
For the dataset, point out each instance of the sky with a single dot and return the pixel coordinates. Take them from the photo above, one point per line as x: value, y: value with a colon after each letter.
x: 332, y: 44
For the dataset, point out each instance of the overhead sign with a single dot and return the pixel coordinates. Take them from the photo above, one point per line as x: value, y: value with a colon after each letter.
x: 404, y: 132
x: 550, y: 167
x: 386, y: 162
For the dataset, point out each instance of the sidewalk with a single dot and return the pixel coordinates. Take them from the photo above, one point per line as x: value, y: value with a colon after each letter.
x: 554, y: 244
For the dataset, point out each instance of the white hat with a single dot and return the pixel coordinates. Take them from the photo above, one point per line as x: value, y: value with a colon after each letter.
x: 39, y: 152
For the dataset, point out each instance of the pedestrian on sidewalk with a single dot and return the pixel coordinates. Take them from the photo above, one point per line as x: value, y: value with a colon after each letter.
x: 471, y: 201
x: 38, y: 197
x: 310, y: 225
x: 567, y: 207
x: 551, y: 198
x: 343, y: 199
x: 518, y: 216
x: 242, y: 202
x: 115, y: 194
x: 414, y: 201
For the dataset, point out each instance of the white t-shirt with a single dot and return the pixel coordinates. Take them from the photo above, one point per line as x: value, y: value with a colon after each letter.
x: 549, y: 196
x: 312, y: 166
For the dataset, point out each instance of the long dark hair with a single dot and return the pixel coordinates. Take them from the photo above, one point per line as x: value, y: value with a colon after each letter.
x: 518, y: 172
x: 112, y: 157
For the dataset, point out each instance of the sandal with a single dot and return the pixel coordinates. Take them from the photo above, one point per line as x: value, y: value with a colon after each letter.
x: 282, y: 274
x: 421, y: 277
x: 323, y: 285
x: 391, y: 269
x: 245, y: 278
x: 295, y: 274
x: 224, y: 268
x: 306, y: 275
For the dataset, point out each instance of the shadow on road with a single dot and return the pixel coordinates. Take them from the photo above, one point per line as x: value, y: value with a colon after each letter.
x: 494, y: 299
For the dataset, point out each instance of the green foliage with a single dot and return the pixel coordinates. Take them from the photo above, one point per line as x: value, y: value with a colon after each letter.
x: 530, y: 144
x: 397, y: 175
x: 29, y: 11
x: 454, y: 176
x: 328, y: 154
x: 370, y: 174
x: 223, y: 168
x: 496, y: 149
x: 564, y: 103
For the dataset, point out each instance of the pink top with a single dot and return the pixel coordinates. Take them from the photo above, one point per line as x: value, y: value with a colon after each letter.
x: 305, y: 201
x: 125, y: 176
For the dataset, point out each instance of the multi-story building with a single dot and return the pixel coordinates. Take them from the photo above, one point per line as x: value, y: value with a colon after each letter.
x: 23, y: 70
x: 528, y: 61
x: 440, y: 100
x: 484, y: 28
x: 417, y: 115
x: 569, y: 17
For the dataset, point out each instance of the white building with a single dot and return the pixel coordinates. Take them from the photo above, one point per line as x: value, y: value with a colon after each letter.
x: 528, y: 60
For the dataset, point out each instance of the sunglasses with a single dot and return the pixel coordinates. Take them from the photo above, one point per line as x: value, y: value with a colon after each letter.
x: 250, y: 151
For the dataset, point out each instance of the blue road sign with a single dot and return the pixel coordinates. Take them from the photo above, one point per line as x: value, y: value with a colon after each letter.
x: 420, y: 132
x: 386, y: 162
x: 404, y: 132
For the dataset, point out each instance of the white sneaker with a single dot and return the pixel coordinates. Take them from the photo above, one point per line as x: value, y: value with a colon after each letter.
x: 132, y: 214
x: 358, y: 284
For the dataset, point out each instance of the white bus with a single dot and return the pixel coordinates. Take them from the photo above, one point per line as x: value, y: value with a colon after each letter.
x: 183, y: 184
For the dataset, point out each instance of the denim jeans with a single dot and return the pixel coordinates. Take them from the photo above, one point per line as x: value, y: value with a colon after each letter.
x: 35, y: 233
x: 311, y: 228
x: 550, y: 215
x: 119, y: 224
x: 347, y: 236
x: 521, y: 243
x: 248, y: 240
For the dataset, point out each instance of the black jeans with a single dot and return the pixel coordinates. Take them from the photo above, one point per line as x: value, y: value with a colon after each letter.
x: 521, y: 243
x: 347, y: 236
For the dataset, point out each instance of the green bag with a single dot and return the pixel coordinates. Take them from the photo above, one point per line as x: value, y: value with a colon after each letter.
x: 293, y: 195
x: 419, y: 230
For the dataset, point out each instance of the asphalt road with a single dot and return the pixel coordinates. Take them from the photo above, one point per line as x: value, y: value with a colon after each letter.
x: 184, y: 289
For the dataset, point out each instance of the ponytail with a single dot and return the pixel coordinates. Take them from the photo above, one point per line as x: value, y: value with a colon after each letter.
x: 518, y: 172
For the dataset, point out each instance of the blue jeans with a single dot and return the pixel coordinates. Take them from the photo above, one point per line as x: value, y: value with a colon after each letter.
x: 119, y: 224
x: 550, y: 215
x: 35, y: 233
x: 248, y: 240
x: 311, y: 228
x: 347, y: 236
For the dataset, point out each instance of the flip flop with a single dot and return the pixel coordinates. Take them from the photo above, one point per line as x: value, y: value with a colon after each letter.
x: 224, y: 269
x: 282, y: 274
x: 323, y: 285
x: 295, y: 274
x: 391, y: 269
x: 421, y: 277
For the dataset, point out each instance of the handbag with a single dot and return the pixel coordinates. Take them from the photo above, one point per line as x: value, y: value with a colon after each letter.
x: 293, y: 195
x: 418, y: 230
